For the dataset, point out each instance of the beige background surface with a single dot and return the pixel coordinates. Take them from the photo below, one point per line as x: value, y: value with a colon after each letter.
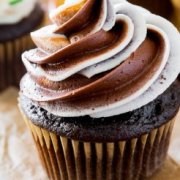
x: 18, y: 156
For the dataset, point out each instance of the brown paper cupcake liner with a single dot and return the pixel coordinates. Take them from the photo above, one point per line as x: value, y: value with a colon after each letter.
x: 11, y: 66
x: 67, y: 159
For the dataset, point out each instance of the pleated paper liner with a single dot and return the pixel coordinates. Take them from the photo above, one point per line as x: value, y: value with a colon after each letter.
x: 11, y: 66
x: 67, y: 159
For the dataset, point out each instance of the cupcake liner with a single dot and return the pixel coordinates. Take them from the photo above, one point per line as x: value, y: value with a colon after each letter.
x: 11, y: 66
x: 137, y: 158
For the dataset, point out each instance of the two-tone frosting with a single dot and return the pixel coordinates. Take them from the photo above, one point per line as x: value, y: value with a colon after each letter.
x: 12, y: 13
x: 100, y: 58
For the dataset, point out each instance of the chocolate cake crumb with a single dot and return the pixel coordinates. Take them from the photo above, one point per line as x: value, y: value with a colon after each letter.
x: 110, y: 129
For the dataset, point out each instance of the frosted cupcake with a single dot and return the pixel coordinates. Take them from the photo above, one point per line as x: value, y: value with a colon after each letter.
x: 101, y: 94
x: 17, y: 19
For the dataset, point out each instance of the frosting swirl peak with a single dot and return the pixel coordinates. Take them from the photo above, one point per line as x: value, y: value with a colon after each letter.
x: 100, y: 58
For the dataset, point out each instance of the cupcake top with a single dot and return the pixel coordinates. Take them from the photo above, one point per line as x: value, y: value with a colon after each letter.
x: 100, y: 58
x: 13, y: 11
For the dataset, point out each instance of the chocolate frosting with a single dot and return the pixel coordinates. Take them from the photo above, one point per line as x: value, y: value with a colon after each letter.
x: 98, y: 33
x: 110, y: 129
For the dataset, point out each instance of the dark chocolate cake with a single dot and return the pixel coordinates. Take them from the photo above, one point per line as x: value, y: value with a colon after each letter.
x: 115, y: 128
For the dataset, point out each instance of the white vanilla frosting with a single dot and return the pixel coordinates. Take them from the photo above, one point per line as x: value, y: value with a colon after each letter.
x: 138, y: 21
x: 12, y: 14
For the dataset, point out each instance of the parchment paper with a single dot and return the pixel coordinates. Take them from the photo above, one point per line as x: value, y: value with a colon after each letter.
x: 18, y: 156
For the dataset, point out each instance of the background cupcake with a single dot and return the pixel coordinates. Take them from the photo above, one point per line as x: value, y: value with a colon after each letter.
x: 163, y: 8
x: 17, y: 19
x: 101, y: 94
x: 176, y: 13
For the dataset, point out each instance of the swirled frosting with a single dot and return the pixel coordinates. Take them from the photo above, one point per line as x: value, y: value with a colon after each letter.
x: 12, y: 14
x: 100, y: 58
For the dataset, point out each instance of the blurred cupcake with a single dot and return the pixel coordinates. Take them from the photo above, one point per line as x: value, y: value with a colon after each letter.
x: 17, y: 19
x: 101, y: 94
x: 163, y: 8
x: 176, y: 13
x: 176, y: 16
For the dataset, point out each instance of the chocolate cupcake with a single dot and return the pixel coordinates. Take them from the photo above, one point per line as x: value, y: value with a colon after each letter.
x: 102, y: 92
x: 17, y: 20
x: 163, y: 8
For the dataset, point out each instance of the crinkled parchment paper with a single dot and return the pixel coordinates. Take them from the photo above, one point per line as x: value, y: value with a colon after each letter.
x: 18, y: 156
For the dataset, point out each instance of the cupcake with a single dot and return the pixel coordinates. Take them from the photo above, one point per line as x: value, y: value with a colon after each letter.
x: 156, y: 6
x: 102, y: 92
x: 17, y: 19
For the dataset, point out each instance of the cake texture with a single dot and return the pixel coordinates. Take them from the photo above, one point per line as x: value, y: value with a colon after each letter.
x: 116, y: 128
x: 14, y: 38
x: 102, y: 90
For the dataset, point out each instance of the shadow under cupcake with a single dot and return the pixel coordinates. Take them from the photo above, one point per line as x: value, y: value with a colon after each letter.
x: 102, y: 92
